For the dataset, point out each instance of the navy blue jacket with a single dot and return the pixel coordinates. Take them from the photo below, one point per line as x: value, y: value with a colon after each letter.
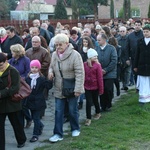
x: 36, y: 100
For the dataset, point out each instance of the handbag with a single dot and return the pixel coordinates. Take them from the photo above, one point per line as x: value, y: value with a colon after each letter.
x: 68, y: 85
x: 24, y: 90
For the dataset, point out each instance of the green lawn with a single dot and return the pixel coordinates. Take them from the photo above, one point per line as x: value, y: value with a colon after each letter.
x: 126, y: 127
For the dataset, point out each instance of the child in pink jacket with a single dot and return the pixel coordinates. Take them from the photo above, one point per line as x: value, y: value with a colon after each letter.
x: 93, y: 84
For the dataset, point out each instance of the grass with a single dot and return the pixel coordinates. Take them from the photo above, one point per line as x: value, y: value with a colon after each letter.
x: 126, y: 127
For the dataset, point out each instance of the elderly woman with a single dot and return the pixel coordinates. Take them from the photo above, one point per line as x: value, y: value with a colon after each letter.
x: 7, y: 106
x: 22, y: 64
x: 71, y: 65
x: 3, y: 37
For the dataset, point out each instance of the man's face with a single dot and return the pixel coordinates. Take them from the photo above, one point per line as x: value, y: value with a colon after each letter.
x: 35, y: 43
x: 137, y: 26
x: 36, y: 23
x: 35, y: 32
x: 122, y: 32
x: 101, y: 41
x: 87, y: 32
x: 10, y: 34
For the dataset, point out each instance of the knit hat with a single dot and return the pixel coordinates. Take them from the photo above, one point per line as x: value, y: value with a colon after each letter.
x: 35, y: 63
x: 91, y: 53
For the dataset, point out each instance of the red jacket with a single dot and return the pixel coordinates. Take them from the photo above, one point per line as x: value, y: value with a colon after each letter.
x: 93, y: 77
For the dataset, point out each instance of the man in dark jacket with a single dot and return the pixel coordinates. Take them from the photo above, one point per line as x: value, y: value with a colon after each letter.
x: 125, y: 60
x: 7, y: 106
x: 12, y: 39
x: 107, y: 56
x: 50, y: 27
x: 132, y: 42
x: 44, y: 33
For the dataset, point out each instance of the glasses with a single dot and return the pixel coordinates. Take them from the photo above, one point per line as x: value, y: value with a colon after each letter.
x: 60, y: 44
x: 122, y: 31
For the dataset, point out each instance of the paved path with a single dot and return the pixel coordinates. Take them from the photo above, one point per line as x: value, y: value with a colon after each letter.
x: 48, y: 121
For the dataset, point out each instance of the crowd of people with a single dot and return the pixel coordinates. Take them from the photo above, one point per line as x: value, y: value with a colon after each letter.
x: 95, y: 56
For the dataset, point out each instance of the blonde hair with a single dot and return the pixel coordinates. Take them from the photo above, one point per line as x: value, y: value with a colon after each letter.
x: 18, y: 50
x: 89, y: 62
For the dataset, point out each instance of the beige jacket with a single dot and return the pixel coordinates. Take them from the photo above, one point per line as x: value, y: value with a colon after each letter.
x: 72, y: 67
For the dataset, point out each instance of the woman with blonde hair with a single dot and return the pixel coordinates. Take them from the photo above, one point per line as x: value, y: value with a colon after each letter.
x: 22, y: 64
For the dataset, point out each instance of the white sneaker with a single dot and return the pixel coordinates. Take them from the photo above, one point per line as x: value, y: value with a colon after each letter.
x: 55, y: 138
x: 75, y: 133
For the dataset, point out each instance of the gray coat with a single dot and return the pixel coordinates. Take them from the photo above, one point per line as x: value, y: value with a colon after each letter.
x: 108, y: 59
x: 71, y: 66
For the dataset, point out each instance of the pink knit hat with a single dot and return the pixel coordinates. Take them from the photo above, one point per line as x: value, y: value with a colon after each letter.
x: 35, y: 63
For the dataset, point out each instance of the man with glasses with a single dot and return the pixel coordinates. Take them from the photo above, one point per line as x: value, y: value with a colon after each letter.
x: 125, y: 61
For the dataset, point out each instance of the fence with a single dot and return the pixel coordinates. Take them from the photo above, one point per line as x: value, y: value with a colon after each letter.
x: 21, y: 24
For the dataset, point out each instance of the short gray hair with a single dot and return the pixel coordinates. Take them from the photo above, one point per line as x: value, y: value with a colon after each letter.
x: 61, y: 38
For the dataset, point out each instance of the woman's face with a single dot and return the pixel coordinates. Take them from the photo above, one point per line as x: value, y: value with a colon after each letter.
x: 60, y: 47
x: 14, y: 55
x: 34, y: 69
x: 85, y: 43
x: 146, y: 33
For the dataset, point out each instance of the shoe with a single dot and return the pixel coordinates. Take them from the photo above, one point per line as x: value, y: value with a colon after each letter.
x: 55, y: 138
x: 87, y: 122
x: 75, y: 133
x: 21, y: 145
x: 96, y: 116
x: 28, y: 124
x: 126, y: 88
x: 33, y: 139
x: 118, y: 92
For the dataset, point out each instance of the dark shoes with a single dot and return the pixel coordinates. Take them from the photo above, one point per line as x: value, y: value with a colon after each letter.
x: 33, y: 139
x: 21, y: 145
x: 28, y: 124
x: 124, y: 88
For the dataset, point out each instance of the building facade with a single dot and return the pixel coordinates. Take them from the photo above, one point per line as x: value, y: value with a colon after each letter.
x: 139, y: 9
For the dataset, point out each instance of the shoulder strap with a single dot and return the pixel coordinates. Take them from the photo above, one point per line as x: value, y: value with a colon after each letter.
x: 9, y: 79
x: 60, y: 69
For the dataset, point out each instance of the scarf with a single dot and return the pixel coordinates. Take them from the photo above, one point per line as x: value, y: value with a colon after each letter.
x: 34, y: 78
x: 1, y: 72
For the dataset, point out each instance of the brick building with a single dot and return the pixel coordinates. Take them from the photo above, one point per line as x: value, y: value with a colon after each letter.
x: 140, y: 9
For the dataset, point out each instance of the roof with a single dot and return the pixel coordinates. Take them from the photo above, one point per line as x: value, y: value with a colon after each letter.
x: 24, y: 3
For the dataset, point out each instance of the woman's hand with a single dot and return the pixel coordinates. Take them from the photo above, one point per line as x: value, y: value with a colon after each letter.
x: 77, y: 94
x: 50, y: 76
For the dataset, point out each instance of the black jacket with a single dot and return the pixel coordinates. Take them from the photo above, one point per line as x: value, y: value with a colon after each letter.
x: 36, y: 100
x: 142, y: 58
x: 122, y: 41
x: 45, y: 34
x: 11, y: 41
x: 132, y: 42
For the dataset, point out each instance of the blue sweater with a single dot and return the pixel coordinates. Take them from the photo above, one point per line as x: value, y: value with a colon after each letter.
x: 22, y: 65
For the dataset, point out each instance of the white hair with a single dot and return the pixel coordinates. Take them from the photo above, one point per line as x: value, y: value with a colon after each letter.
x: 123, y: 28
x: 2, y: 31
x: 61, y: 38
x: 37, y: 38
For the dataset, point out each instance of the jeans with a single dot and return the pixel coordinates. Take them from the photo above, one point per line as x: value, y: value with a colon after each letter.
x: 81, y: 97
x: 38, y: 125
x: 59, y: 114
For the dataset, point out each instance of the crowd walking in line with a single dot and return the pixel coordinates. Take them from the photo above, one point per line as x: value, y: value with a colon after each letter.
x: 82, y: 62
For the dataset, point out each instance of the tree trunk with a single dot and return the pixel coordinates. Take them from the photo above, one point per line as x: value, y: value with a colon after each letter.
x: 95, y: 11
